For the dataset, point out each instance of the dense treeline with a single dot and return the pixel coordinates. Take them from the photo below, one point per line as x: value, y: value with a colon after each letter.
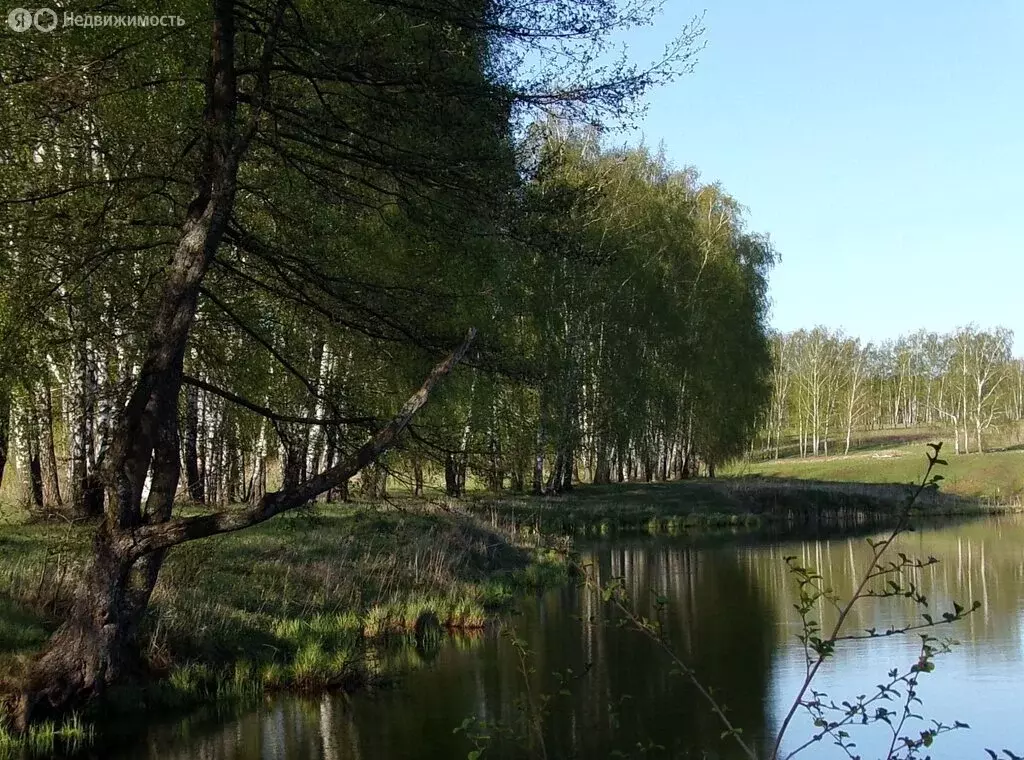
x: 827, y: 386
x: 232, y: 247
x: 638, y: 308
x: 632, y: 305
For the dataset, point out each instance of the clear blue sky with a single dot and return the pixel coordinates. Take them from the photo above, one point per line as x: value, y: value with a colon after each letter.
x: 880, y: 144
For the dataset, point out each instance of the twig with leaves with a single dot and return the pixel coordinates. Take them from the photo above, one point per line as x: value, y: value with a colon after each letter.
x: 830, y: 719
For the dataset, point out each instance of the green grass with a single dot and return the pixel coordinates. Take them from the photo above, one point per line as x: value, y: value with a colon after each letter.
x: 317, y: 599
x: 995, y: 477
x: 45, y: 739
x: 844, y: 492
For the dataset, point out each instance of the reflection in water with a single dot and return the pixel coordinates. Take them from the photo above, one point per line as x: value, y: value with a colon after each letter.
x: 730, y: 614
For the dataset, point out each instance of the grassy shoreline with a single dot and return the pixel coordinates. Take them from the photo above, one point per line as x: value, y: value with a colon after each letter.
x: 734, y: 503
x: 993, y: 478
x: 327, y: 598
x: 342, y: 596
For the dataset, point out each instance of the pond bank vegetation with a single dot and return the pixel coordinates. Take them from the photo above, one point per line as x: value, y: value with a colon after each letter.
x: 329, y: 598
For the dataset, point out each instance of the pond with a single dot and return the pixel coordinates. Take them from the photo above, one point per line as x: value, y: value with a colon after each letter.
x: 730, y: 613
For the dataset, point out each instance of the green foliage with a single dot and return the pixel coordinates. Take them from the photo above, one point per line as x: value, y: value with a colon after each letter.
x: 621, y: 302
x: 252, y: 233
x: 828, y: 387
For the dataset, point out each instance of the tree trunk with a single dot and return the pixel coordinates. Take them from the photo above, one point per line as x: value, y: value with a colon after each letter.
x: 26, y: 451
x: 451, y: 476
x: 193, y: 479
x: 538, y: 462
x: 555, y: 477
x: 602, y: 465
x: 5, y: 427
x: 47, y: 454
x: 496, y: 475
x: 91, y: 649
x: 97, y: 645
x: 35, y: 472
x: 568, y: 462
x: 417, y: 472
x: 78, y: 444
x: 463, y: 463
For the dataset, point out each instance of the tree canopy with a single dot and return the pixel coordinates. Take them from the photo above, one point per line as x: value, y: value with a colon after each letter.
x: 234, y: 246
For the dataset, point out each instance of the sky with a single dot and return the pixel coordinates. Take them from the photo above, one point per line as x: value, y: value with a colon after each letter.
x: 879, y: 144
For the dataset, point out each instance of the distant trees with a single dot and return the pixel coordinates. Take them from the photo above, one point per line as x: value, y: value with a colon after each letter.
x: 824, y: 381
x: 634, y: 308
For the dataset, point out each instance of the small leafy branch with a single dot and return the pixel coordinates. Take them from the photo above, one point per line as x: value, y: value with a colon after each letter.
x: 532, y: 708
x: 833, y: 720
x: 894, y: 702
x: 818, y: 647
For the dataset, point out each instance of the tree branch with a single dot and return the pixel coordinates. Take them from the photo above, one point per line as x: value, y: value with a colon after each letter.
x: 142, y: 540
x: 269, y: 413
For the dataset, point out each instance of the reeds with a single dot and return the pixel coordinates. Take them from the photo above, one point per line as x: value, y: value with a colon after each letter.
x: 45, y: 739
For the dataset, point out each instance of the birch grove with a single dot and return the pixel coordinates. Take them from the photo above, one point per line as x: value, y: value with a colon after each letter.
x: 827, y: 387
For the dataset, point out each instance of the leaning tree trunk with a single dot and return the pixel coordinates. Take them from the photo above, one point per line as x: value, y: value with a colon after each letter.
x: 96, y: 646
x: 89, y: 651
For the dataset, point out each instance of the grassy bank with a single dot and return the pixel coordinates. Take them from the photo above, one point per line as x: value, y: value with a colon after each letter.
x: 307, y: 601
x: 344, y: 595
x: 995, y: 477
x: 729, y: 503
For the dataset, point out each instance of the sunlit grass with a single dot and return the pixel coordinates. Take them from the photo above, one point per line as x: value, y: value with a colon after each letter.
x: 44, y: 739
x: 996, y: 476
x: 320, y: 599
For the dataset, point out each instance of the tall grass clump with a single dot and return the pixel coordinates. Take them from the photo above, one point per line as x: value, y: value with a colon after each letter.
x: 45, y: 739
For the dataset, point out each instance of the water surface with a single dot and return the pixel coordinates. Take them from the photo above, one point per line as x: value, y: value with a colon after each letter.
x: 729, y: 613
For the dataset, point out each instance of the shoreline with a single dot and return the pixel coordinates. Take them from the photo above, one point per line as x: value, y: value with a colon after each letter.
x: 335, y: 597
x: 744, y: 503
x: 321, y: 600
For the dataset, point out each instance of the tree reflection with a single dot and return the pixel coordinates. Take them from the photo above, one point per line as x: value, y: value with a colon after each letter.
x: 729, y: 614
